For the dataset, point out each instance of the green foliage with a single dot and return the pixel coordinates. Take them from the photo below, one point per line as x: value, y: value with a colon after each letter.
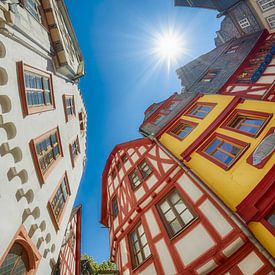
x: 90, y: 265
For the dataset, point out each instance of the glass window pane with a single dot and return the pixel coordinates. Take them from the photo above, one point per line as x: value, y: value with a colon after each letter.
x: 223, y: 157
x: 176, y: 226
x: 140, y: 230
x: 174, y: 197
x: 214, y: 144
x: 146, y: 251
x: 230, y: 148
x: 248, y: 129
x: 164, y: 206
x: 180, y: 206
x: 169, y: 216
x: 186, y: 216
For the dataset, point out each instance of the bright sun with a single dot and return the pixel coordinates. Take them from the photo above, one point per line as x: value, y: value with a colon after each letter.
x: 169, y: 47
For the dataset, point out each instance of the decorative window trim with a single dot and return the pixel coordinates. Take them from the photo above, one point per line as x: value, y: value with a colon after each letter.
x: 73, y: 160
x: 69, y: 116
x: 189, y: 110
x: 142, y: 178
x: 21, y: 236
x: 164, y: 221
x: 244, y: 23
x: 185, y: 122
x: 262, y: 4
x: 236, y: 112
x: 244, y: 146
x: 28, y: 110
x: 42, y: 176
x: 136, y: 265
x: 56, y: 222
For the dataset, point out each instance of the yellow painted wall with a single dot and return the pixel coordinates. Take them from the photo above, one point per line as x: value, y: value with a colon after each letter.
x: 264, y: 236
x: 235, y: 184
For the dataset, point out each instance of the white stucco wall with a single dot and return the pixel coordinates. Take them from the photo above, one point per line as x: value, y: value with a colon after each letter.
x: 26, y: 129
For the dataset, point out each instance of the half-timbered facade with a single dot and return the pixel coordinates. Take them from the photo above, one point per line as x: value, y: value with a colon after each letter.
x: 229, y: 143
x: 69, y: 256
x: 255, y: 77
x: 162, y: 222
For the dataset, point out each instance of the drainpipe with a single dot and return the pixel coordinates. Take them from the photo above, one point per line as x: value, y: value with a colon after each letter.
x: 240, y: 223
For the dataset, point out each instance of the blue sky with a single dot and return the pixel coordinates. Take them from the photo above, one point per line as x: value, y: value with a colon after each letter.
x: 122, y: 79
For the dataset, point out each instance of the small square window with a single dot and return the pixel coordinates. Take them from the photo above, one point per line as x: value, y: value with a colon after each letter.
x: 75, y: 150
x: 69, y: 106
x: 209, y: 76
x: 135, y: 179
x: 158, y: 119
x: 139, y: 246
x: 175, y: 213
x: 182, y: 129
x: 144, y: 169
x: 244, y: 23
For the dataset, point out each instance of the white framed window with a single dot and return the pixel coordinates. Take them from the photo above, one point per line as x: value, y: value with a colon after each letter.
x: 266, y: 4
x: 271, y: 21
x: 244, y: 23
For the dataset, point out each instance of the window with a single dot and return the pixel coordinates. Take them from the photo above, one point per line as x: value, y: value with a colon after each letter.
x: 247, y: 122
x: 46, y: 151
x: 232, y: 49
x: 266, y: 4
x: 158, y: 119
x: 172, y: 106
x: 81, y: 117
x: 124, y: 158
x: 16, y: 262
x: 271, y: 21
x: 113, y: 174
x: 75, y: 150
x: 140, y: 174
x: 144, y: 169
x: 69, y: 106
x: 135, y: 179
x: 222, y: 150
x: 139, y: 247
x: 209, y: 76
x: 270, y: 218
x: 200, y: 110
x: 59, y: 200
x: 115, y: 209
x: 35, y: 89
x: 182, y: 129
x: 175, y: 214
x: 244, y: 23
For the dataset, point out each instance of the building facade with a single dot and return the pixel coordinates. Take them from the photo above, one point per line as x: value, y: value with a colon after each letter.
x: 243, y: 67
x: 162, y: 221
x: 42, y: 132
x: 229, y: 143
x: 69, y: 257
x: 240, y: 18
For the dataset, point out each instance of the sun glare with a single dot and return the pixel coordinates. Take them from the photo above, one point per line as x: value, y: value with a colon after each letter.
x: 169, y: 47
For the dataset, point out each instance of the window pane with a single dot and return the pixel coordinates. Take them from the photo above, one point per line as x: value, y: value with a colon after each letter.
x: 176, y: 226
x: 180, y: 206
x: 230, y: 148
x: 186, y: 216
x: 214, y: 144
x: 174, y: 197
x: 170, y: 216
x: 164, y: 206
x: 146, y: 251
x: 222, y: 157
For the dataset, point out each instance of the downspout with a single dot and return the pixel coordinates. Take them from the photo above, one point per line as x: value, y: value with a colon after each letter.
x: 240, y: 223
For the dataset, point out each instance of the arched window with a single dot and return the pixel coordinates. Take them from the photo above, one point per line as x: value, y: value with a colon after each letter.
x: 16, y: 262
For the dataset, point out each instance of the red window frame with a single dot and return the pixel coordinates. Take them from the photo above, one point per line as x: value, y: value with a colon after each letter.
x: 184, y: 123
x: 266, y: 223
x: 27, y: 109
x: 243, y: 145
x: 142, y: 177
x: 207, y: 104
x: 69, y: 116
x: 42, y: 175
x: 73, y: 159
x: 248, y: 113
x: 57, y: 220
